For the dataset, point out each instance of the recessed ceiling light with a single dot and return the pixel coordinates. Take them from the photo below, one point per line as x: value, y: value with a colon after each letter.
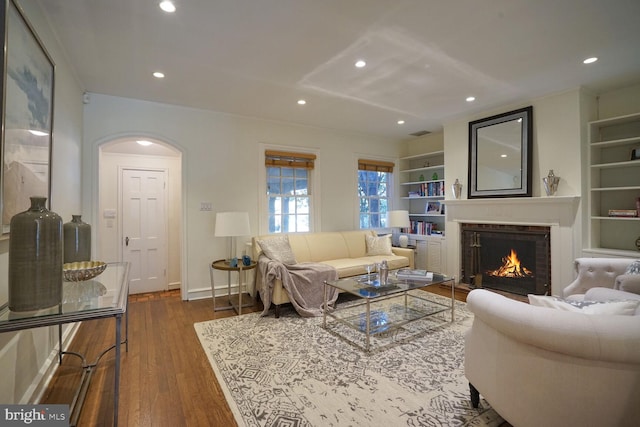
x: 503, y: 155
x: 360, y: 63
x: 400, y: 122
x: 144, y: 143
x: 590, y: 60
x: 471, y: 98
x: 167, y: 6
x: 301, y: 102
x: 158, y: 75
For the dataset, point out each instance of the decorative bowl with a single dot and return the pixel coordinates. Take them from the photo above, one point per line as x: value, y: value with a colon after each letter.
x: 82, y: 270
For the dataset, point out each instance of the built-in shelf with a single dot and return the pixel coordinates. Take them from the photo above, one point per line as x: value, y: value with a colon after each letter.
x: 614, y: 183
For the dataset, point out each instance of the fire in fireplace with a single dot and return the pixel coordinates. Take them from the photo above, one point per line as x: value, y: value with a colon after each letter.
x: 511, y: 267
x: 511, y: 258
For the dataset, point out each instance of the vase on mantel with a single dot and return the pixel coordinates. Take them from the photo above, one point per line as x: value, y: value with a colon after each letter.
x: 77, y: 240
x: 551, y: 183
x: 35, y: 258
x: 456, y: 187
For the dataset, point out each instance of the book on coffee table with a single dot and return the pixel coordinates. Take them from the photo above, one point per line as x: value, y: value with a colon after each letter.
x: 414, y: 274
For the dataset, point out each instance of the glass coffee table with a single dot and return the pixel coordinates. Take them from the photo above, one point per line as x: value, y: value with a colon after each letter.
x: 378, y: 317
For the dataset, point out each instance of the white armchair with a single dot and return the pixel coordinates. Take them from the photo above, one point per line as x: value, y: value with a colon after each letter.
x: 540, y: 366
x: 602, y: 273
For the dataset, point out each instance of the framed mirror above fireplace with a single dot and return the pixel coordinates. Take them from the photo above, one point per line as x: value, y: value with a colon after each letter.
x: 500, y: 155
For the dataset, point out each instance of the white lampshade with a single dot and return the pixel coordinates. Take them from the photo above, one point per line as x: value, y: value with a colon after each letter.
x: 232, y: 224
x: 398, y: 219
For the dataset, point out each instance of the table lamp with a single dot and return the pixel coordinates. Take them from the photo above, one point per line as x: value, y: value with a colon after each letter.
x: 232, y: 225
x: 399, y: 219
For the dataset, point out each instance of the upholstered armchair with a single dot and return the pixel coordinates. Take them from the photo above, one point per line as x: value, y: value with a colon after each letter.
x: 603, y: 273
x: 539, y: 366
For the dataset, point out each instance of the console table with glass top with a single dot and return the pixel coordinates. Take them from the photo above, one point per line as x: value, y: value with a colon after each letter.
x: 104, y: 296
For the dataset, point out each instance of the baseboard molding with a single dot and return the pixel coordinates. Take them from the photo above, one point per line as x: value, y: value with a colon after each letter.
x: 221, y: 291
x: 174, y: 285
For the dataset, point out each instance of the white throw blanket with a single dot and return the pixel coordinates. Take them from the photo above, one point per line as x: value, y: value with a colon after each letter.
x: 304, y: 282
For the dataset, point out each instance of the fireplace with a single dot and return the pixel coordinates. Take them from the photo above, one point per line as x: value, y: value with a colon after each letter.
x: 510, y: 258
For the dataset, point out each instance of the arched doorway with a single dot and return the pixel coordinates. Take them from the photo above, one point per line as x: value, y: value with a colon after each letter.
x: 139, y: 205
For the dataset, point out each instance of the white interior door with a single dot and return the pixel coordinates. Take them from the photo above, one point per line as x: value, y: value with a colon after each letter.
x: 144, y: 229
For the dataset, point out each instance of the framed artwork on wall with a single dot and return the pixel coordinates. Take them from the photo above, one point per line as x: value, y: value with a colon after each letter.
x: 27, y: 115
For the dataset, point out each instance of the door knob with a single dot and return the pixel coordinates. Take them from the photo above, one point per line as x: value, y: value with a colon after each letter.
x: 126, y: 241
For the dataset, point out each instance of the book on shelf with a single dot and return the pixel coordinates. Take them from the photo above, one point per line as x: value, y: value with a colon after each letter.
x: 421, y: 227
x: 626, y: 213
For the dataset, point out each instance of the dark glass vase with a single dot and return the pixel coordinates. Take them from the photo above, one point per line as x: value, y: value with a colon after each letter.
x: 77, y: 240
x: 35, y: 258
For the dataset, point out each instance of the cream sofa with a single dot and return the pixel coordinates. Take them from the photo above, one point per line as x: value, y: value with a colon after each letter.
x: 346, y: 251
x: 541, y: 366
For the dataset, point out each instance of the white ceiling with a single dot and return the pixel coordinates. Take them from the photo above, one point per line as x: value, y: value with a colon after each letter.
x: 258, y: 57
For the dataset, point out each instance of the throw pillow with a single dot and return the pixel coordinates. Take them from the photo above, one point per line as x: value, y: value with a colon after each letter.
x: 619, y: 307
x: 278, y: 249
x: 379, y: 245
x: 634, y: 268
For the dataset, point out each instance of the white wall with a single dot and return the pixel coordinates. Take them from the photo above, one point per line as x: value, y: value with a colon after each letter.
x: 221, y: 165
x: 24, y: 355
x: 618, y: 102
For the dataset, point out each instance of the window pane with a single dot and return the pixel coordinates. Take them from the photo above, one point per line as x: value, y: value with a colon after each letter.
x: 382, y: 190
x: 288, y: 223
x: 301, y: 186
x: 302, y: 173
x: 287, y: 171
x: 303, y: 224
x: 274, y: 223
x: 364, y: 220
x: 273, y: 171
x: 287, y: 186
x: 364, y: 205
x: 273, y: 185
x: 302, y: 205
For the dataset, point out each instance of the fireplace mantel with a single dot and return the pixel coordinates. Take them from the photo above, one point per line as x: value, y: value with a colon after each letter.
x: 559, y: 213
x: 515, y: 210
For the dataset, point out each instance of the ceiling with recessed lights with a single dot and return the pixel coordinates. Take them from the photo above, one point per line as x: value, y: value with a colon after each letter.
x: 422, y: 58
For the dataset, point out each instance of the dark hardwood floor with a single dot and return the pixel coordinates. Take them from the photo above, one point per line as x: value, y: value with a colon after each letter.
x: 166, y: 379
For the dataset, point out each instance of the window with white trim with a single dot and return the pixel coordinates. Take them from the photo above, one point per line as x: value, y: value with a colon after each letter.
x: 288, y: 191
x: 374, y: 187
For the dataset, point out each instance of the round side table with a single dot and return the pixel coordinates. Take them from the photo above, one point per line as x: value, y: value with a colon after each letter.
x: 224, y: 265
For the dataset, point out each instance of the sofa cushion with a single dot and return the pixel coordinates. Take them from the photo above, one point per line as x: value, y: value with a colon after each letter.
x: 348, y: 267
x: 379, y: 245
x: 617, y: 307
x: 326, y: 245
x: 278, y: 249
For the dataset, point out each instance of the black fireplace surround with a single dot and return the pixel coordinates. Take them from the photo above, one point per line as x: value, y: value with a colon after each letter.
x: 510, y: 258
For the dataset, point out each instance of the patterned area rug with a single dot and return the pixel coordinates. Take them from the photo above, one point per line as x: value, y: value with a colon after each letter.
x: 291, y: 372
